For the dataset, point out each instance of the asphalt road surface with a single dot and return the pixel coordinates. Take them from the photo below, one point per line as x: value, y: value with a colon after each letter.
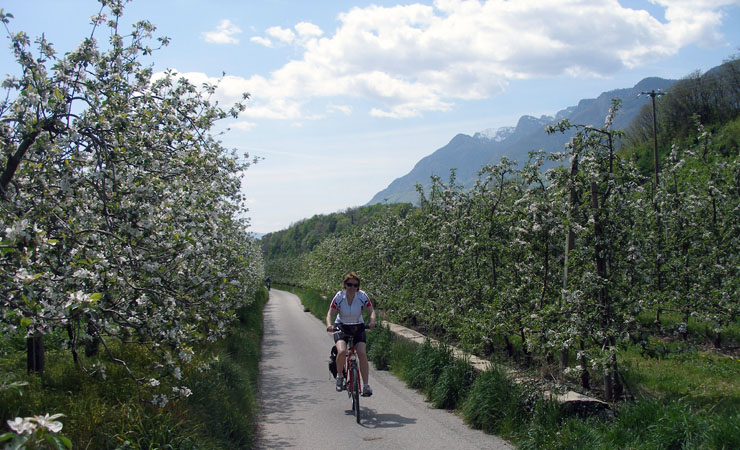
x: 300, y: 408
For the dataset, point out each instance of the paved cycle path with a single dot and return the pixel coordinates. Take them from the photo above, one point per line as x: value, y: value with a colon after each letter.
x: 301, y: 410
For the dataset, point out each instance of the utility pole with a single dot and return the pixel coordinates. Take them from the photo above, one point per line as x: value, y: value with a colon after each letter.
x: 658, y: 262
x: 652, y: 95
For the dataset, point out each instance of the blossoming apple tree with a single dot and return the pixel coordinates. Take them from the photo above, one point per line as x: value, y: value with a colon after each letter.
x: 122, y: 217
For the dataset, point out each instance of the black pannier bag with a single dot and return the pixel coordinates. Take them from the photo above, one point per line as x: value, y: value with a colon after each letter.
x: 333, y: 361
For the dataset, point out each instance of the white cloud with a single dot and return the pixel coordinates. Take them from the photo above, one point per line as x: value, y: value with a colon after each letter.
x: 279, y: 36
x: 308, y: 30
x: 223, y: 34
x: 244, y: 125
x: 695, y: 20
x: 282, y: 35
x: 346, y: 109
x: 408, y: 60
x: 262, y: 41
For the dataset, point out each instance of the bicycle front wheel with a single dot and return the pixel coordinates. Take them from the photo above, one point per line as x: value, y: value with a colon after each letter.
x: 356, y: 392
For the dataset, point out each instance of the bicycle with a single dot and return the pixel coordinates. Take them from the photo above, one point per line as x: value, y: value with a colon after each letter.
x: 351, y: 371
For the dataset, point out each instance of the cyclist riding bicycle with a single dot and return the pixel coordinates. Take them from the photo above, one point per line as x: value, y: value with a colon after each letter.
x: 348, y: 304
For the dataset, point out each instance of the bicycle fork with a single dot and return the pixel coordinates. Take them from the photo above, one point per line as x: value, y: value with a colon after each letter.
x: 352, y: 370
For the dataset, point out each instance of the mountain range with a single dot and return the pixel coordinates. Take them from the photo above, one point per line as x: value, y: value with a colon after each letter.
x: 467, y: 154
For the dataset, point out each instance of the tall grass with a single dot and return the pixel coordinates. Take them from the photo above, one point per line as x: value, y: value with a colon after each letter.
x: 108, y: 413
x: 644, y: 424
x: 380, y: 352
x: 453, y: 385
x: 495, y: 403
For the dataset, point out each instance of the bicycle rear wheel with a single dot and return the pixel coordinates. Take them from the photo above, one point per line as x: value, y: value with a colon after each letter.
x: 356, y: 392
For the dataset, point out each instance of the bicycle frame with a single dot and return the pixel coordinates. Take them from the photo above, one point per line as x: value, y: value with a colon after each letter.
x: 352, y: 376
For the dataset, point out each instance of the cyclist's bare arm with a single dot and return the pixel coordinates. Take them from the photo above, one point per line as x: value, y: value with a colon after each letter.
x: 330, y: 320
x: 371, y: 310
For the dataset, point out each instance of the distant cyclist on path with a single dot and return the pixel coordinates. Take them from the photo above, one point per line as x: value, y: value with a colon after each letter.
x: 348, y: 305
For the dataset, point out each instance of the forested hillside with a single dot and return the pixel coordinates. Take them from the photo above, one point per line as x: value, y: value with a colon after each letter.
x: 303, y: 236
x: 574, y: 264
x: 710, y: 99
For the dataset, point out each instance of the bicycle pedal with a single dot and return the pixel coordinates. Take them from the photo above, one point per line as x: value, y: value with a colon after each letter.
x: 367, y: 395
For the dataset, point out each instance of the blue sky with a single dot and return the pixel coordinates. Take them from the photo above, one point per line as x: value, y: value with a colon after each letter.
x: 346, y: 96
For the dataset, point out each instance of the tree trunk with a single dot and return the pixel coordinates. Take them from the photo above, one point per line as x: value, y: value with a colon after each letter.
x: 72, y: 343
x: 35, y: 356
x: 525, y: 351
x: 717, y: 341
x: 685, y: 330
x: 659, y: 265
x: 92, y: 345
x: 608, y: 387
x: 585, y: 378
x: 509, y: 347
x: 570, y: 235
x: 612, y: 385
x: 618, y: 388
x: 563, y: 360
x: 570, y: 240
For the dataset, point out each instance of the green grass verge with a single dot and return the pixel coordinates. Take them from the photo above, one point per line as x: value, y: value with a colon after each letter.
x: 677, y: 370
x: 107, y: 413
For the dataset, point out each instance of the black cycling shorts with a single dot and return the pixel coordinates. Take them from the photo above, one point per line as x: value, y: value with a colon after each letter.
x: 358, y: 333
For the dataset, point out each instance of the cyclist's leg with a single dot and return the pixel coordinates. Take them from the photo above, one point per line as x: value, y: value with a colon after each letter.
x: 362, y: 356
x: 341, y: 355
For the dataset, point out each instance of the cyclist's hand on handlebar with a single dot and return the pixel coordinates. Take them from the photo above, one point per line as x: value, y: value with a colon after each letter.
x: 371, y: 325
x: 330, y: 328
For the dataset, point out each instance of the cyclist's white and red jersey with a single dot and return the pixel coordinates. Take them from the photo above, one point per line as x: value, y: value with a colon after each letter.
x: 350, y: 314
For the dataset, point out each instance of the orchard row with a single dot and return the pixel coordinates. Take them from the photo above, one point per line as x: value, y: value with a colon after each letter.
x: 561, y: 262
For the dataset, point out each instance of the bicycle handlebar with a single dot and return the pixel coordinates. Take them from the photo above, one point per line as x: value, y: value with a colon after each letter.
x: 362, y: 326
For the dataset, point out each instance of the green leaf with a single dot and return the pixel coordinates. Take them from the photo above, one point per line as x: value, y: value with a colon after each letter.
x: 18, y: 443
x: 94, y: 298
x: 25, y: 322
x: 35, y: 277
x: 67, y: 443
x: 58, y: 441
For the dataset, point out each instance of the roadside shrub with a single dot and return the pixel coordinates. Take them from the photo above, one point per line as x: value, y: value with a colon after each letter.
x: 494, y: 403
x: 380, y: 343
x: 453, y: 384
x: 402, y: 356
x: 427, y: 364
x: 544, y: 427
